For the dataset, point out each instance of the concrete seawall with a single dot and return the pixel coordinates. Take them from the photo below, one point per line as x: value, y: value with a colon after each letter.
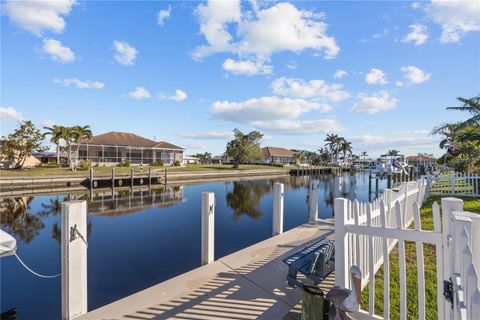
x: 13, y: 186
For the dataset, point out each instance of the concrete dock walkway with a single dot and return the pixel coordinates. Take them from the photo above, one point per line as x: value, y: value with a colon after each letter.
x: 248, y: 284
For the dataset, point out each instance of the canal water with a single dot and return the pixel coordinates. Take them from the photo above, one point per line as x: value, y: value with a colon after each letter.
x: 140, y: 238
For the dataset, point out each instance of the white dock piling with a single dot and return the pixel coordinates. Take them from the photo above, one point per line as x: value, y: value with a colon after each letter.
x: 74, y: 259
x: 277, y: 209
x: 208, y: 227
x: 313, y: 201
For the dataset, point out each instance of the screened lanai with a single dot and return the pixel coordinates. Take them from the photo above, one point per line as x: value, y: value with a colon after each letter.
x: 115, y: 147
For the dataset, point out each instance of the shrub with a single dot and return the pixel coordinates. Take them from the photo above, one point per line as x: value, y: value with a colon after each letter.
x: 124, y: 163
x: 84, y: 165
x: 158, y: 163
x: 176, y: 164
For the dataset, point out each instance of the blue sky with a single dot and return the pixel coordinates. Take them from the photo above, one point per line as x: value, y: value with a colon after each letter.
x: 378, y: 73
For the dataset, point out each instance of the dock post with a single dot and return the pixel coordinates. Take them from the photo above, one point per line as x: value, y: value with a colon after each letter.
x: 91, y: 178
x: 131, y: 176
x: 113, y: 177
x: 149, y: 176
x: 74, y: 259
x: 165, y: 170
x: 313, y: 201
x: 376, y: 185
x: 277, y: 209
x: 370, y: 182
x: 208, y: 227
x: 389, y: 181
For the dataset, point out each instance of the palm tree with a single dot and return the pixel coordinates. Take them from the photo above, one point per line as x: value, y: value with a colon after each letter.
x: 77, y: 134
x: 74, y: 135
x: 345, y: 147
x: 472, y: 106
x: 364, y: 154
x: 57, y: 133
x: 333, y: 143
x: 393, y: 153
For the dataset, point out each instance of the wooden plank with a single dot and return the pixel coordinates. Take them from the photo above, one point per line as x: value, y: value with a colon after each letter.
x: 386, y: 266
x: 402, y: 268
x: 420, y: 264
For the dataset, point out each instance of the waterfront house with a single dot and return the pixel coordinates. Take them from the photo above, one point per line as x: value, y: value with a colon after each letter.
x: 113, y: 147
x: 191, y: 160
x: 274, y: 155
x: 417, y: 161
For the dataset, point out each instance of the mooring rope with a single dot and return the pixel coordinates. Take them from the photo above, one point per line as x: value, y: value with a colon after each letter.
x: 35, y: 273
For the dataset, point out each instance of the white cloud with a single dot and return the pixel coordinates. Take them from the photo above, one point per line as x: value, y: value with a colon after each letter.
x: 399, y: 83
x: 377, y: 102
x: 163, y: 15
x: 376, y: 76
x: 139, y: 93
x: 57, y: 51
x: 292, y: 65
x: 247, y: 67
x: 196, y: 145
x: 281, y: 27
x: 179, y: 95
x: 416, y: 5
x: 415, y: 75
x: 418, y: 34
x: 456, y: 18
x: 79, y: 83
x: 339, y: 74
x: 299, y: 127
x: 408, y: 142
x: 264, y: 109
x: 10, y: 114
x: 39, y: 15
x: 210, y: 135
x: 48, y: 123
x: 318, y: 90
x: 124, y: 53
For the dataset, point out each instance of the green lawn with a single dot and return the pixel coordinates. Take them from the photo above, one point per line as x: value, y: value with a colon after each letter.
x: 470, y: 204
x: 55, y: 171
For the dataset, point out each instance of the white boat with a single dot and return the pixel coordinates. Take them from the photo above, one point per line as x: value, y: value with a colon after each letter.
x: 8, y: 244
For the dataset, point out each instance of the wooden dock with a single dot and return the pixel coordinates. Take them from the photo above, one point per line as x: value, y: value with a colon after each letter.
x: 317, y: 170
x: 248, y: 284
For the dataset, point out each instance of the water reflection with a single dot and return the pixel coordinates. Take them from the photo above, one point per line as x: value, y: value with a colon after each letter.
x: 17, y: 220
x: 245, y: 197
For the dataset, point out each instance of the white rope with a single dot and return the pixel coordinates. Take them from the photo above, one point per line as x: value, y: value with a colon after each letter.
x: 35, y: 273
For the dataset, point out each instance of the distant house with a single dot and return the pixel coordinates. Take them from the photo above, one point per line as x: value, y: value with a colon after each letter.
x: 115, y: 147
x: 417, y: 161
x: 51, y: 157
x: 191, y: 160
x: 273, y: 155
x: 218, y: 160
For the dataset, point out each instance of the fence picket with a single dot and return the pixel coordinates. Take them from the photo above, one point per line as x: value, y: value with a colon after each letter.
x: 386, y: 266
x: 437, y: 227
x: 371, y: 273
x: 401, y: 258
x: 420, y: 264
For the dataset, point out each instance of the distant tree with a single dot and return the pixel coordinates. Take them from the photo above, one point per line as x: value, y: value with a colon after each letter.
x: 345, y: 147
x: 205, y: 158
x: 21, y: 143
x: 57, y: 133
x: 393, y: 153
x: 333, y: 143
x: 244, y: 147
x: 323, y: 155
x: 364, y: 154
x: 74, y: 135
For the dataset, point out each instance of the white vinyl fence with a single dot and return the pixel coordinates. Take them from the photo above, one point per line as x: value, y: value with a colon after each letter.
x: 456, y: 183
x: 365, y: 233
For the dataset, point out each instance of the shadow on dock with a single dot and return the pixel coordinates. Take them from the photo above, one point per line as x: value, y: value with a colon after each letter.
x: 248, y: 284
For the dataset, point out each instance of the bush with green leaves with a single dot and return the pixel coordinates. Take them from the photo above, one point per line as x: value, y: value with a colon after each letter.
x: 176, y: 163
x: 124, y: 163
x: 158, y: 163
x: 84, y: 165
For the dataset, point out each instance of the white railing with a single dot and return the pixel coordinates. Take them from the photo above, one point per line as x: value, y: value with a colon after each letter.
x: 456, y: 183
x: 365, y: 233
x: 370, y: 215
